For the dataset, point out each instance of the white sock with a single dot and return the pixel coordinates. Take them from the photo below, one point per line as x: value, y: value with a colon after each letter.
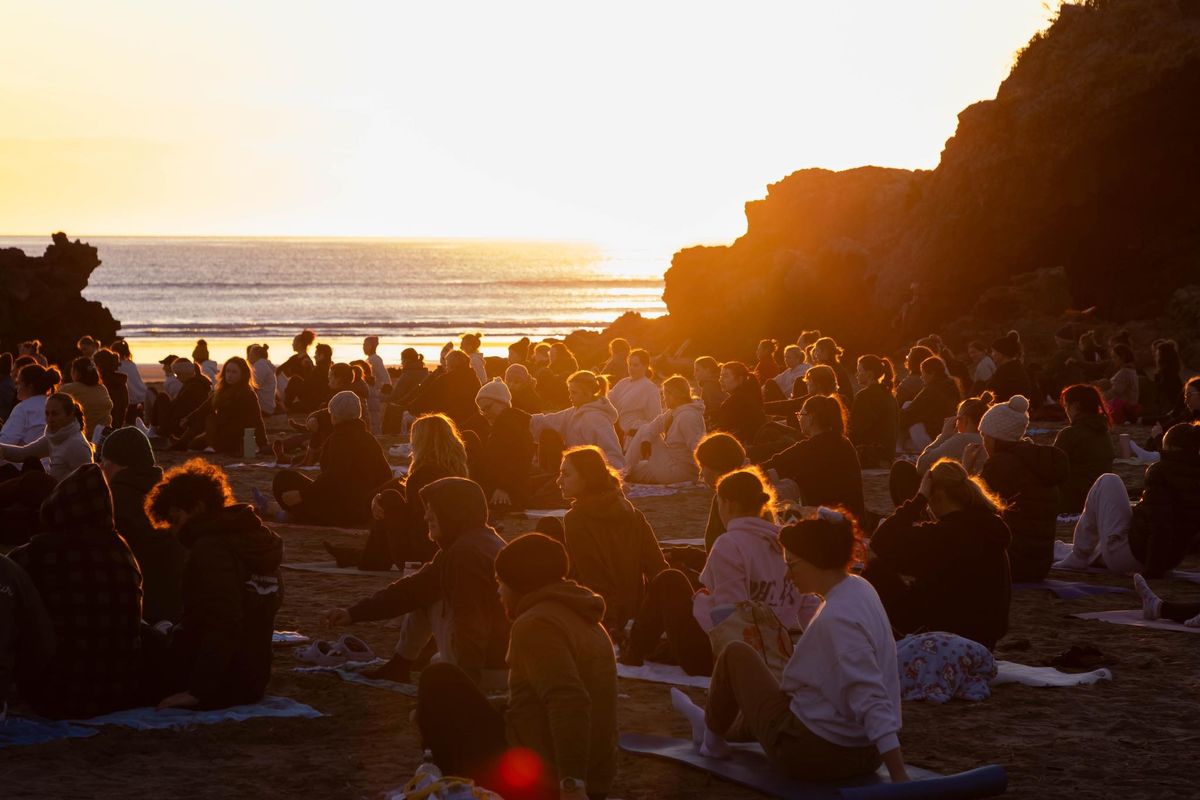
x: 715, y: 746
x: 693, y: 713
x: 1151, y: 604
x: 1145, y: 456
x: 1194, y: 622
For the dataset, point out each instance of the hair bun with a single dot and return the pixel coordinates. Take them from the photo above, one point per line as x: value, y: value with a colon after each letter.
x: 1013, y: 335
x: 1019, y: 403
x: 988, y: 397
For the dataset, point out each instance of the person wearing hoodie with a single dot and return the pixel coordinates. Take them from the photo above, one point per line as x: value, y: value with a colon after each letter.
x: 170, y: 414
x: 562, y: 687
x: 504, y: 458
x: 706, y: 377
x: 96, y: 609
x: 590, y: 421
x: 115, y: 381
x: 221, y: 420
x: 836, y: 712
x: 27, y: 421
x: 874, y: 416
x: 958, y: 562
x: 89, y: 392
x: 45, y: 461
x: 219, y: 654
x: 921, y: 420
x: 451, y: 599
x: 636, y: 397
x: 744, y: 565
x: 741, y: 413
x: 451, y: 391
x: 413, y: 374
x: 1151, y: 536
x: 523, y: 388
x: 958, y: 433
x: 717, y: 455
x: 616, y: 368
x: 612, y: 547
x: 133, y: 379
x: 1026, y: 477
x: 353, y: 468
x: 662, y: 451
x: 785, y: 382
x: 1010, y: 378
x: 824, y: 464
x: 26, y: 632
x: 128, y: 462
x: 1086, y: 441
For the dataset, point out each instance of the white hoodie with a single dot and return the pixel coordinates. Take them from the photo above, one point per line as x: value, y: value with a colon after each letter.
x: 592, y: 423
x: 638, y: 402
x: 267, y: 383
x: 61, y: 451
x: 671, y: 459
x: 842, y: 675
x: 134, y: 382
x: 26, y: 422
x: 746, y: 563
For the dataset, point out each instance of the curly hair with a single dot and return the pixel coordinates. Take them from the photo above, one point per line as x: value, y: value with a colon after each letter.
x: 194, y: 483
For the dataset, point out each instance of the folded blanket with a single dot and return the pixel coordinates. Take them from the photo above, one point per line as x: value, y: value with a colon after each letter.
x: 1133, y: 618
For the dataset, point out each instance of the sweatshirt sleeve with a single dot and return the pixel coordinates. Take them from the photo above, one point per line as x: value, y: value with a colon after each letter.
x: 555, y: 421
x: 930, y: 455
x: 215, y: 606
x: 903, y: 542
x: 606, y: 439
x: 418, y: 590
x: 540, y: 651
x: 470, y: 587
x: 39, y: 448
x: 691, y: 426
x: 867, y: 699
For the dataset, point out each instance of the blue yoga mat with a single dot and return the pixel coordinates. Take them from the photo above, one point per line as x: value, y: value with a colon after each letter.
x: 749, y: 767
x: 1071, y: 590
x: 22, y: 731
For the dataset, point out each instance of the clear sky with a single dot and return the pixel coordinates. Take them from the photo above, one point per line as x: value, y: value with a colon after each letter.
x: 627, y: 123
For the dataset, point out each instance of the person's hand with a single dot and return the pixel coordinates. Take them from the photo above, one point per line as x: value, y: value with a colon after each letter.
x: 179, y: 700
x: 377, y: 507
x: 291, y: 498
x: 926, y: 486
x: 501, y: 498
x: 1156, y: 431
x: 338, y: 618
x: 949, y: 426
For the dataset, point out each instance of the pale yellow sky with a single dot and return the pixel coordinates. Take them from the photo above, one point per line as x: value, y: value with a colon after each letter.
x: 639, y: 123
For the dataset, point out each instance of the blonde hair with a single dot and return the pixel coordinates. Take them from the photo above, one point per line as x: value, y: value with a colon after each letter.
x: 436, y: 442
x: 749, y: 490
x: 951, y: 479
x: 595, y: 384
x: 678, y: 385
x: 598, y: 475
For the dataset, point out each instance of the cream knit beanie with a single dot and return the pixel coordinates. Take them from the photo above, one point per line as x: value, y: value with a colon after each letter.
x: 345, y: 405
x: 495, y: 389
x: 1006, y: 421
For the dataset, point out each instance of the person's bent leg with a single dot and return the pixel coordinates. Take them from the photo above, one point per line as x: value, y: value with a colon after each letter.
x: 458, y: 725
x: 903, y: 481
x: 691, y: 645
x: 741, y: 682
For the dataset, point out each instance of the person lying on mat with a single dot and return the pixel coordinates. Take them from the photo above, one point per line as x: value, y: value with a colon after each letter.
x: 836, y: 713
x: 562, y: 688
x: 452, y: 599
x: 219, y: 655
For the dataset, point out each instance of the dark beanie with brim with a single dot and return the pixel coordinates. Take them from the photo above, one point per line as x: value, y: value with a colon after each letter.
x: 128, y: 447
x: 531, y: 562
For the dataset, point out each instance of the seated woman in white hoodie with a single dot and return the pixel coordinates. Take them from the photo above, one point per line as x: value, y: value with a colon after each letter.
x: 636, y: 397
x: 661, y: 452
x: 745, y: 564
x: 836, y: 713
x: 28, y: 418
x: 590, y: 420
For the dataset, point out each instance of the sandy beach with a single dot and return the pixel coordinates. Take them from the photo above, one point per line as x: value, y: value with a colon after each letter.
x: 1125, y: 737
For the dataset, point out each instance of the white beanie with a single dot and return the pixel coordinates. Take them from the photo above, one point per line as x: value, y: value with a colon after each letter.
x: 1006, y: 421
x: 495, y: 389
x: 345, y: 405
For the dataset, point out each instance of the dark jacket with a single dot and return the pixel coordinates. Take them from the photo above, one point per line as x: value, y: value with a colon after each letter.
x: 613, y: 552
x: 1088, y: 445
x: 960, y: 568
x: 235, y: 411
x: 1169, y: 390
x: 713, y: 397
x: 562, y: 684
x: 1167, y: 519
x: 232, y: 590
x: 8, y: 395
x: 874, y: 421
x: 451, y: 392
x: 117, y: 384
x: 353, y: 467
x: 195, y: 392
x: 525, y: 398
x: 462, y: 575
x: 1183, y: 416
x: 506, y: 457
x: 403, y: 529
x: 826, y: 469
x: 552, y: 386
x: 26, y: 632
x: 159, y: 554
x: 407, y: 383
x: 937, y: 400
x: 92, y: 588
x: 1010, y: 378
x: 742, y: 412
x: 1027, y: 478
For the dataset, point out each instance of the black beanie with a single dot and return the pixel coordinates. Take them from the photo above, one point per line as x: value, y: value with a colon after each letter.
x: 824, y: 543
x: 128, y: 447
x: 530, y: 562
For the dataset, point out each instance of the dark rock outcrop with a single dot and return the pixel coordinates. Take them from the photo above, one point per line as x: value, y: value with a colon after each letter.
x: 41, y: 297
x: 1086, y: 161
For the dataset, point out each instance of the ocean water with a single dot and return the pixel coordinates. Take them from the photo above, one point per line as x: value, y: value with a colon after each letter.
x: 399, y: 289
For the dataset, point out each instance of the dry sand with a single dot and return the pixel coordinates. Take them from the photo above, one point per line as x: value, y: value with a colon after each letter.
x: 1133, y: 737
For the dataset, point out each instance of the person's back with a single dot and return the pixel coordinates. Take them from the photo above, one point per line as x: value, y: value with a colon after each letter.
x: 234, y: 412
x: 1088, y: 445
x: 874, y: 423
x: 1027, y: 477
x: 1010, y: 379
x: 92, y: 588
x: 267, y: 384
x: 613, y: 552
x: 1166, y: 522
x: 507, y: 456
x: 96, y: 403
x: 742, y: 412
x: 26, y: 632
x: 826, y: 469
x: 936, y: 401
x: 746, y: 564
x: 353, y: 467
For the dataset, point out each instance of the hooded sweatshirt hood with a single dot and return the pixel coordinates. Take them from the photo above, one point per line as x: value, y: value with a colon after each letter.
x: 459, y: 505
x: 239, y: 528
x: 143, y: 479
x: 81, y: 500
x: 583, y: 601
x: 601, y: 406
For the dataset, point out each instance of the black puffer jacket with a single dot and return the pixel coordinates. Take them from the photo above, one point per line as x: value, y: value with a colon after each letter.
x: 1027, y: 478
x: 232, y: 590
x: 159, y: 554
x: 1167, y: 520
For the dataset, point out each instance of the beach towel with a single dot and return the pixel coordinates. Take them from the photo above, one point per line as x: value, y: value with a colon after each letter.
x: 750, y: 767
x: 288, y: 638
x: 150, y: 719
x: 1133, y: 618
x: 1009, y: 672
x: 272, y: 465
x: 1070, y: 590
x: 351, y: 673
x: 636, y: 490
x: 662, y: 673
x: 331, y: 568
x: 1063, y: 549
x: 25, y: 731
x: 542, y: 513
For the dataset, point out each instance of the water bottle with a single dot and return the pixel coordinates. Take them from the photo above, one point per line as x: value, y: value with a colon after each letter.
x: 249, y: 444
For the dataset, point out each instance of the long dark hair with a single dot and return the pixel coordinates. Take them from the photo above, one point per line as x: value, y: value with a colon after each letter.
x: 880, y: 367
x: 1087, y: 397
x: 38, y: 378
x: 70, y: 406
x: 593, y: 467
x: 224, y: 390
x: 85, y: 368
x: 828, y: 412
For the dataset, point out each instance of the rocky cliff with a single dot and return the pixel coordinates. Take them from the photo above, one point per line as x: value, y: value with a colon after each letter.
x: 41, y: 298
x: 1078, y: 178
